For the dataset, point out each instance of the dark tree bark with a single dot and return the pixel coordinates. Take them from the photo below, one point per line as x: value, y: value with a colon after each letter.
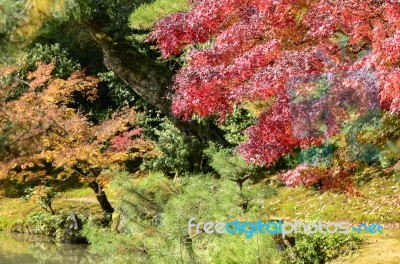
x: 101, y: 197
x: 51, y: 208
x: 151, y: 81
x: 96, y: 187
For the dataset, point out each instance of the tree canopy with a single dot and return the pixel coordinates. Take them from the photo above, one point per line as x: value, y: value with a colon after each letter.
x: 280, y: 52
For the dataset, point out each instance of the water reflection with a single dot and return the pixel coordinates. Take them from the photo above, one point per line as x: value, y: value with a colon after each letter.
x: 30, y: 249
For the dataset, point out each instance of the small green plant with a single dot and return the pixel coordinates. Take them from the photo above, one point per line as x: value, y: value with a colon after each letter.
x: 319, y: 248
x: 120, y: 94
x: 43, y: 223
x: 150, y: 224
x: 42, y: 196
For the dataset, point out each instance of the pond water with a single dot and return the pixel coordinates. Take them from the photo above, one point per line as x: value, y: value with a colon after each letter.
x: 29, y: 249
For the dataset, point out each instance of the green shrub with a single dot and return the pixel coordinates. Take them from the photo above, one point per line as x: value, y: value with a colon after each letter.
x: 47, y: 54
x: 44, y: 223
x: 227, y: 163
x: 235, y: 124
x: 43, y: 196
x: 152, y: 213
x: 119, y: 93
x: 320, y: 248
x: 176, y: 151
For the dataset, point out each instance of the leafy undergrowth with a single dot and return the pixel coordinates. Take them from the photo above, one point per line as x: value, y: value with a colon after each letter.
x: 14, y: 211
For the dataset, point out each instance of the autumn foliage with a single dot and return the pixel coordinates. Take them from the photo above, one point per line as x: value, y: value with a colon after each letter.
x: 316, y: 64
x: 325, y: 178
x: 311, y: 60
x: 46, y: 137
x: 258, y: 47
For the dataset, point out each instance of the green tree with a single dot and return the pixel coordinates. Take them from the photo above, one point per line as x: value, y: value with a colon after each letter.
x: 151, y: 222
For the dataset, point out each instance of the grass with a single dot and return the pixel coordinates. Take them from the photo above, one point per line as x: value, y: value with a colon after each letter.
x: 146, y: 15
x: 84, y: 192
x: 378, y: 250
x: 379, y: 203
x: 15, y: 210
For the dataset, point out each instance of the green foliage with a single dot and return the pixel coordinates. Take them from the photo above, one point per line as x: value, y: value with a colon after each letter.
x: 147, y: 14
x: 44, y: 223
x: 72, y: 36
x: 7, y: 12
x: 362, y: 150
x: 112, y: 247
x: 9, y: 17
x: 150, y: 120
x: 43, y: 196
x: 320, y: 248
x: 235, y: 124
x: 19, y: 21
x: 53, y: 225
x: 231, y: 166
x: 138, y: 205
x: 119, y: 93
x: 142, y: 198
x: 228, y: 164
x: 386, y: 137
x: 11, y: 187
x: 122, y: 95
x: 112, y: 15
x: 237, y: 249
x: 64, y: 66
x: 176, y: 151
x: 152, y: 214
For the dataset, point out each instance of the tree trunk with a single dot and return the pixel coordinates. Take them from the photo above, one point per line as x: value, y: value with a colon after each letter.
x: 51, y: 208
x: 151, y: 81
x: 101, y: 197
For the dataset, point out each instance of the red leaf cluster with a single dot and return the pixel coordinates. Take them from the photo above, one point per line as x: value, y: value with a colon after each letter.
x: 125, y: 141
x: 258, y: 47
x: 334, y: 178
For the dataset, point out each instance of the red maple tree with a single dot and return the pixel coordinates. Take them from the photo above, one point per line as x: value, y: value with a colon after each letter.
x: 254, y: 49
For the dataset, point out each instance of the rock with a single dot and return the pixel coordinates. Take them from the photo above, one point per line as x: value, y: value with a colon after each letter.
x: 71, y: 234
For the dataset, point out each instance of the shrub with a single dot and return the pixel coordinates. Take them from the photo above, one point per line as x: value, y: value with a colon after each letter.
x: 44, y: 223
x: 320, y: 248
x: 64, y: 66
x: 235, y: 124
x: 176, y: 151
x: 150, y: 222
x: 42, y: 196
